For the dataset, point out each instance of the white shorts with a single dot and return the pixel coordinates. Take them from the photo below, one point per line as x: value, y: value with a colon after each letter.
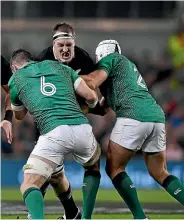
x: 135, y: 135
x: 76, y: 139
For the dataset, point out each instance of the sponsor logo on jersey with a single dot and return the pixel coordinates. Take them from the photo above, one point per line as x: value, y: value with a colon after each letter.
x: 177, y: 191
x: 132, y: 186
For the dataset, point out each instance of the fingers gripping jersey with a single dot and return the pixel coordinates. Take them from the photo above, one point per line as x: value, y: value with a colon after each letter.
x: 46, y: 89
x: 126, y: 92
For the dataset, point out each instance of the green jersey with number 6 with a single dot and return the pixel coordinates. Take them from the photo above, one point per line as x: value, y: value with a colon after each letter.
x: 46, y: 89
x: 126, y: 92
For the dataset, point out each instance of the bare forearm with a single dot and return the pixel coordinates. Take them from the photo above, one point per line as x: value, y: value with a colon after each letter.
x: 7, y: 102
x: 8, y: 111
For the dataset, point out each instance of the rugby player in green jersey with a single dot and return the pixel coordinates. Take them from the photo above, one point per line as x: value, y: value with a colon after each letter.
x: 47, y: 90
x: 140, y: 125
x: 64, y: 50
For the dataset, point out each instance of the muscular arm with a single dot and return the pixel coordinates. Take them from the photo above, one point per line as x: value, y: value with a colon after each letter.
x: 6, y: 123
x: 95, y: 79
x: 85, y: 92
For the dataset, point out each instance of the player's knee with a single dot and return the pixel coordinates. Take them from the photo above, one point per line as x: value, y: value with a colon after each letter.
x: 57, y: 179
x: 95, y: 173
x: 94, y: 167
x: 29, y: 181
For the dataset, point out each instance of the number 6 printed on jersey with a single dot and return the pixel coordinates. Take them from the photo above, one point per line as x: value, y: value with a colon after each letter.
x: 44, y: 85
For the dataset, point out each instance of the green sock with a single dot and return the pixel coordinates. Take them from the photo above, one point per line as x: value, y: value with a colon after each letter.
x: 34, y: 201
x: 175, y: 188
x: 127, y: 191
x: 90, y: 187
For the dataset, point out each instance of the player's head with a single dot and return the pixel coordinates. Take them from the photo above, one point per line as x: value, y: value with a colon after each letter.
x: 19, y: 59
x: 63, y: 42
x: 107, y: 47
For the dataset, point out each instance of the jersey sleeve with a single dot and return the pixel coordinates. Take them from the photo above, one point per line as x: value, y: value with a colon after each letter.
x: 105, y: 64
x: 5, y: 71
x: 16, y: 104
x: 76, y: 79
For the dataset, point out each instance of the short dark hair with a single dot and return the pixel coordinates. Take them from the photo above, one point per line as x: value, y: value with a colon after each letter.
x: 64, y: 27
x: 20, y: 56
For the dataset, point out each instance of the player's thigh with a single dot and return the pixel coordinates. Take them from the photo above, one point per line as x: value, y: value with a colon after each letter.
x: 37, y: 171
x: 32, y: 180
x: 55, y: 144
x: 59, y: 170
x: 117, y: 157
x: 48, y: 153
x: 130, y: 133
x: 155, y: 150
x: 86, y: 150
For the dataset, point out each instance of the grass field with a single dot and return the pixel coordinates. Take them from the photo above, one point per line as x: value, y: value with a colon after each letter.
x: 102, y: 216
x: 104, y: 196
x: 145, y: 196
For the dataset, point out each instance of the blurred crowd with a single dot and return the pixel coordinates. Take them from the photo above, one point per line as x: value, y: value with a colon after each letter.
x: 164, y: 77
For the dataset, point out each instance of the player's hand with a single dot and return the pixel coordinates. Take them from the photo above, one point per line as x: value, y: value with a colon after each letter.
x: 7, y: 126
x: 86, y: 78
x: 89, y: 81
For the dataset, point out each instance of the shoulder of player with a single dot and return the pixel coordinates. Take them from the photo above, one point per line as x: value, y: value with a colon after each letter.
x: 11, y: 81
x: 47, y: 53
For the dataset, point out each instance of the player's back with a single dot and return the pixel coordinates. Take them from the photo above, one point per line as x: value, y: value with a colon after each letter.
x: 126, y: 91
x: 46, y: 90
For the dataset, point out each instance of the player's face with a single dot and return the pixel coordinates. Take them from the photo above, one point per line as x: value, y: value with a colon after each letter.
x: 64, y: 49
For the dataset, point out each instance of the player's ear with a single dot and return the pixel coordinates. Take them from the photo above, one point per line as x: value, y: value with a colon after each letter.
x: 74, y: 41
x: 14, y: 67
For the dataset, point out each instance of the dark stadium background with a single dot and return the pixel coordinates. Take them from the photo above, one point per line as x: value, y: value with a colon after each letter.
x: 144, y: 30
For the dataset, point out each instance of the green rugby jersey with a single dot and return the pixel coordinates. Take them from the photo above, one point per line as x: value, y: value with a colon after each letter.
x: 46, y: 89
x: 126, y: 91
